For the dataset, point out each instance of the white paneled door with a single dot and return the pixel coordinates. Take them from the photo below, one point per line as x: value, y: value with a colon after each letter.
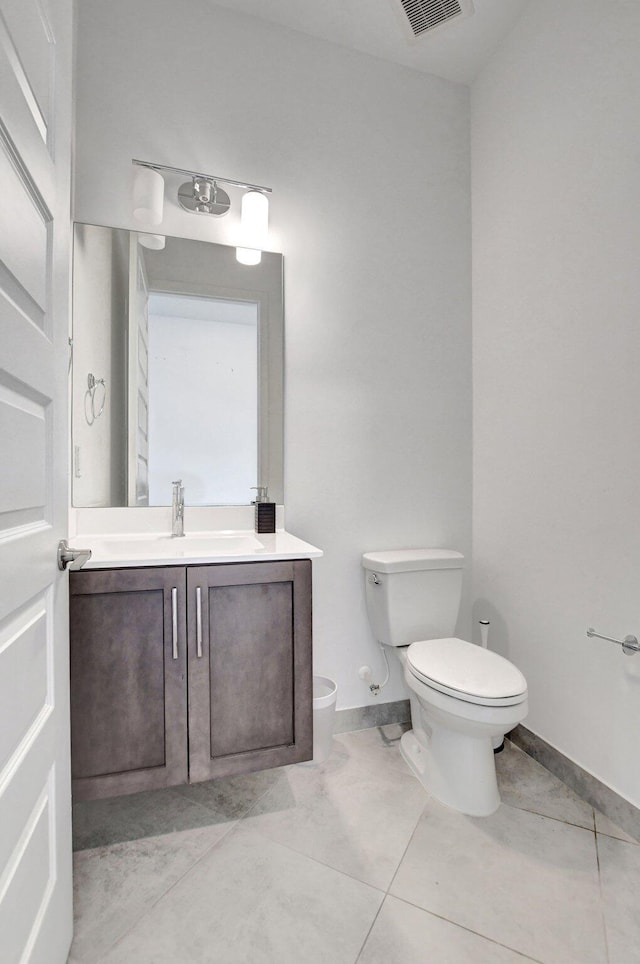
x: 35, y: 824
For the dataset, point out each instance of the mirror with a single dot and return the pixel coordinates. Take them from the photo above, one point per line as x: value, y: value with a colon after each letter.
x: 177, y: 371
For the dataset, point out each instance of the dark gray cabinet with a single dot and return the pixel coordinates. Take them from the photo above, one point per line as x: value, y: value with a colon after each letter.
x: 128, y: 680
x: 188, y: 673
x: 250, y: 682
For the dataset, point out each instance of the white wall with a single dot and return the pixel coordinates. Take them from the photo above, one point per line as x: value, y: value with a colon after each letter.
x: 369, y: 163
x: 556, y: 355
x: 203, y: 399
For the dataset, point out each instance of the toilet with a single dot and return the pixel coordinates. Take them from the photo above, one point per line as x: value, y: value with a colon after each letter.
x: 462, y: 696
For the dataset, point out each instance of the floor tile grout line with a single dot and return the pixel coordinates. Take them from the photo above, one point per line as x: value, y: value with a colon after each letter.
x: 448, y: 920
x: 389, y: 894
x: 610, y: 836
x: 232, y: 825
x: 233, y: 828
x: 548, y: 816
x: 404, y: 852
x: 603, y: 833
x: 386, y: 893
x: 321, y: 863
x: 258, y: 800
x: 368, y: 934
x: 600, y: 890
x: 176, y: 791
x: 571, y: 823
x: 463, y: 927
x: 237, y: 824
x: 583, y: 799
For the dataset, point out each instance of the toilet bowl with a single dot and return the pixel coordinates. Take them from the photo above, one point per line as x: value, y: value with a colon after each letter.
x: 450, y: 748
x: 462, y: 696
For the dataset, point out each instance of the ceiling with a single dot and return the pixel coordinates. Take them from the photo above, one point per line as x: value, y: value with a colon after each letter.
x: 456, y: 52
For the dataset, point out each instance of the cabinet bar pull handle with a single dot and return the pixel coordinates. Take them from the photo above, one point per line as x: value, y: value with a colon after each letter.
x: 198, y: 622
x: 174, y: 620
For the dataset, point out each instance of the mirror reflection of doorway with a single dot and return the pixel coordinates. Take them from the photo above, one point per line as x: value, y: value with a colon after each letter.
x: 203, y: 398
x: 114, y: 276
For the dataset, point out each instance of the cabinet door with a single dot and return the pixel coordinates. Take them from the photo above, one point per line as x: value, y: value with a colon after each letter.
x: 128, y: 689
x: 250, y: 682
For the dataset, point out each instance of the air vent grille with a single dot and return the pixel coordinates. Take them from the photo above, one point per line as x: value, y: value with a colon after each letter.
x: 425, y: 15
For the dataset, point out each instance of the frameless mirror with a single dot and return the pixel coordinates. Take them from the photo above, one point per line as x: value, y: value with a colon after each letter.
x: 177, y: 371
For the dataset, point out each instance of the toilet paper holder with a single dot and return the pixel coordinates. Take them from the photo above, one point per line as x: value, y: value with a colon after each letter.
x: 630, y: 644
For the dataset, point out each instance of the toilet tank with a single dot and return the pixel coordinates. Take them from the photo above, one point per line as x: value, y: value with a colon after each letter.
x: 413, y: 593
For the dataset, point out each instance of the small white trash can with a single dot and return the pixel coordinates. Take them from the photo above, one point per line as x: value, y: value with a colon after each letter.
x: 325, y: 693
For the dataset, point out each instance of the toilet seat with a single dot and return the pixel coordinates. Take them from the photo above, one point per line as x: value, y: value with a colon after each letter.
x: 467, y: 672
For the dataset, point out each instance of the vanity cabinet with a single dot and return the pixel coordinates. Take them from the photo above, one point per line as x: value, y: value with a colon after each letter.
x: 250, y: 684
x: 128, y: 680
x: 184, y: 673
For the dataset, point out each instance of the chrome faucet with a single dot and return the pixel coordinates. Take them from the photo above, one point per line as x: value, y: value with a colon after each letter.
x: 177, y: 509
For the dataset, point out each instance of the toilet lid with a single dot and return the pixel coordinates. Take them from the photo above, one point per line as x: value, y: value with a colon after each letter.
x: 467, y: 671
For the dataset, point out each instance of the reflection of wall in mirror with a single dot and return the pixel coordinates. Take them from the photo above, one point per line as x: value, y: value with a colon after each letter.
x: 99, y: 311
x: 112, y: 465
x: 203, y: 398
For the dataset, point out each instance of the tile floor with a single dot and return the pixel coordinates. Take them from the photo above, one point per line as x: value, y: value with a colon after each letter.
x: 352, y: 862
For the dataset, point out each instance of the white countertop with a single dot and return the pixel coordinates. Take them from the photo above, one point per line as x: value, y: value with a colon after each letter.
x: 160, y: 549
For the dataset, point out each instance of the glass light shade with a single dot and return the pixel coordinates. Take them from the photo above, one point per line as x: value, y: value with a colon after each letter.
x: 249, y: 255
x: 154, y: 241
x: 148, y: 195
x: 254, y: 227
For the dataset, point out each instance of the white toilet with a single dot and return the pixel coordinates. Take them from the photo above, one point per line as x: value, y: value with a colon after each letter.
x: 462, y: 696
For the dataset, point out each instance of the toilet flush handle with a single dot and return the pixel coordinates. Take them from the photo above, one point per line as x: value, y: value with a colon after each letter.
x: 374, y: 579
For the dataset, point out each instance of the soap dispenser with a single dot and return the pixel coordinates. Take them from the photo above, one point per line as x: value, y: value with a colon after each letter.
x: 265, y: 510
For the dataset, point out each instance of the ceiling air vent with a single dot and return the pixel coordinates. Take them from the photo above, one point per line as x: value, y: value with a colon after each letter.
x: 425, y: 16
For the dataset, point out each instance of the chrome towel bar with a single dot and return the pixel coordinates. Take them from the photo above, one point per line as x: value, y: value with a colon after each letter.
x: 630, y: 644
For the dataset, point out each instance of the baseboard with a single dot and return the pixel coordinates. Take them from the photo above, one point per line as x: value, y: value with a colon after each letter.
x: 375, y: 714
x: 599, y: 795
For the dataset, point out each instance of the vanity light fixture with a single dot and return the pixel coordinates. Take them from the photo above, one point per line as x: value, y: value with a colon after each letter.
x: 148, y: 195
x: 202, y: 194
x: 155, y: 242
x: 254, y: 227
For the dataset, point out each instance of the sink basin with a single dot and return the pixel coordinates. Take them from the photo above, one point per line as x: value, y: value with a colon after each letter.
x: 198, y: 548
x: 203, y: 544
